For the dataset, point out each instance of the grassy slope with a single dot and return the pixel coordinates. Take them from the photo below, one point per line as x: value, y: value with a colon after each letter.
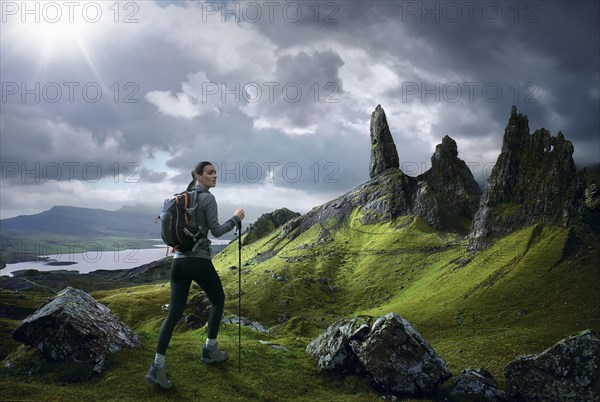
x: 522, y: 295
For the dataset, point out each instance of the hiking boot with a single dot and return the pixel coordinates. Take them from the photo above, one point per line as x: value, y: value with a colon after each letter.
x: 156, y: 376
x: 212, y: 354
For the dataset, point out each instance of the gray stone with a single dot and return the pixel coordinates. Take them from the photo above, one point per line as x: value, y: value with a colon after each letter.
x: 332, y: 349
x: 383, y: 150
x: 567, y: 371
x: 399, y: 360
x: 477, y: 384
x: 74, y: 327
x: 388, y: 350
x: 245, y: 322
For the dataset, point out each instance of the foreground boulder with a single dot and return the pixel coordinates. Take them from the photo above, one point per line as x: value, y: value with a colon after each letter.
x: 568, y: 371
x: 388, y: 350
x: 333, y: 349
x: 73, y: 327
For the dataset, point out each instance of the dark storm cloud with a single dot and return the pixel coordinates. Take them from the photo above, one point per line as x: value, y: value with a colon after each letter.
x: 304, y: 86
x: 246, y: 157
x: 541, y: 56
x: 409, y: 56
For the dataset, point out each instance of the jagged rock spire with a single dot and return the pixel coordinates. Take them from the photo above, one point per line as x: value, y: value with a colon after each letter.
x: 533, y: 181
x: 448, y: 188
x: 447, y: 150
x: 383, y: 150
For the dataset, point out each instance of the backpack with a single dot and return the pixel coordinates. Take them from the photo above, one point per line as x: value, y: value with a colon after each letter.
x: 178, y: 227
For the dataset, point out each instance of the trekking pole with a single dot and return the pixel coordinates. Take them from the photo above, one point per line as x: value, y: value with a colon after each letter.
x: 239, y: 296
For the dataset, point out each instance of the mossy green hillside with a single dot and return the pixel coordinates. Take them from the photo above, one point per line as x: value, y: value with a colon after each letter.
x: 521, y: 295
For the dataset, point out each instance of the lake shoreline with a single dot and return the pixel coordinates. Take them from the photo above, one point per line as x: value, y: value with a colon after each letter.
x: 108, y: 260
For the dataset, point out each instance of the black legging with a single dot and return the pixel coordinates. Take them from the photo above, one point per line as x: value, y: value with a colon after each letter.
x: 183, y: 271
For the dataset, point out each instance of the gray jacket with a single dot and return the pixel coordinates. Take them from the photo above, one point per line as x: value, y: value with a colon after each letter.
x: 207, y: 218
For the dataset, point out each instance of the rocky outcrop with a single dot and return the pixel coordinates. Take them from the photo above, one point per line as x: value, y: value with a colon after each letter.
x: 267, y: 223
x: 383, y: 149
x: 396, y: 358
x: 446, y: 196
x: 74, y: 327
x: 477, y: 384
x: 568, y: 371
x: 448, y: 192
x: 533, y: 181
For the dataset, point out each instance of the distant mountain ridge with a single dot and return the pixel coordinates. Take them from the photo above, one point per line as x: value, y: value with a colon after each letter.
x: 83, y: 222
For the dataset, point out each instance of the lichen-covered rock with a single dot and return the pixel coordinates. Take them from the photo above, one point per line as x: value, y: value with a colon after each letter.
x: 399, y: 360
x: 332, y: 349
x: 568, y: 371
x: 533, y: 181
x: 477, y: 384
x: 74, y: 327
x: 396, y: 358
x: 383, y: 149
x: 245, y: 322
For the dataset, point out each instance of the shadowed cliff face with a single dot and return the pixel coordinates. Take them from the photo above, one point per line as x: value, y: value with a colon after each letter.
x: 534, y: 181
x: 446, y: 196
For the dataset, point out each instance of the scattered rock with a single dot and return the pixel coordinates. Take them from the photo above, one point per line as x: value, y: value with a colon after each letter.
x: 567, y: 371
x: 478, y: 384
x: 246, y: 322
x: 74, y: 327
x: 388, y: 350
x: 274, y: 345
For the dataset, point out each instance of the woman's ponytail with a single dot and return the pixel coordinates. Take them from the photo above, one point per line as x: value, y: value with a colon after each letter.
x: 191, y: 185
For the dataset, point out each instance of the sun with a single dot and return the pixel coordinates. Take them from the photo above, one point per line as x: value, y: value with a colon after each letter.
x: 49, y: 35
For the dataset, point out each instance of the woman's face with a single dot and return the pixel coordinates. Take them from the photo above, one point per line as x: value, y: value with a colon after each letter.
x: 208, y: 178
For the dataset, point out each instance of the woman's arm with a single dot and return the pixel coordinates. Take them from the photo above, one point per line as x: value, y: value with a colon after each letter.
x: 212, y: 218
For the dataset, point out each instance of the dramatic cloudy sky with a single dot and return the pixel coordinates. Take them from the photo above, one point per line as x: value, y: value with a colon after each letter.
x: 108, y: 103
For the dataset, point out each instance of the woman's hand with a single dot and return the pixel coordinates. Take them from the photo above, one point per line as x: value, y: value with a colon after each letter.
x: 240, y: 213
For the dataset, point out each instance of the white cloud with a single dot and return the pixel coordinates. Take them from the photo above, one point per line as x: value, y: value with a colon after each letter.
x: 192, y: 101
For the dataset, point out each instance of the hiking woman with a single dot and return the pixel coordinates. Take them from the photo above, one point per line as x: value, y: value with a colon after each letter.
x: 196, y: 266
